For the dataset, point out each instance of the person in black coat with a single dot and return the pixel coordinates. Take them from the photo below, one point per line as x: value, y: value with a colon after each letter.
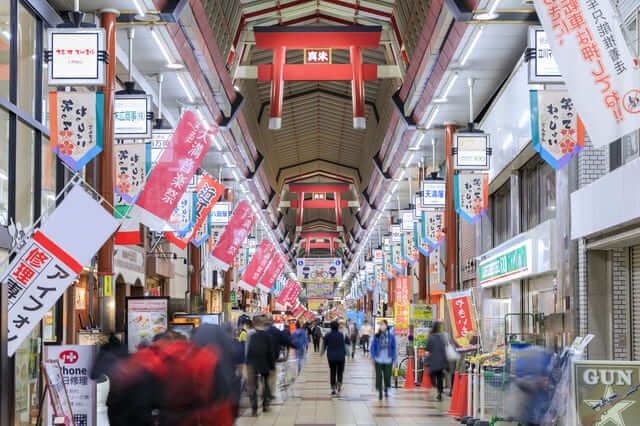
x: 260, y: 362
x: 437, y: 356
x: 333, y: 345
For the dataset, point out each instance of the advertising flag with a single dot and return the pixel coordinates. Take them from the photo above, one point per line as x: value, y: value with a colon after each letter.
x: 174, y: 170
x: 433, y: 227
x: 272, y: 273
x: 76, y: 126
x: 289, y: 295
x: 556, y: 130
x: 471, y: 195
x: 49, y: 262
x: 598, y: 68
x: 409, y: 251
x: 463, y: 319
x: 258, y: 265
x: 131, y: 161
x: 233, y: 236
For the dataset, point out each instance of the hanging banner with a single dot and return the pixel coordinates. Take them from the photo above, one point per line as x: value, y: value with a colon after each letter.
x: 181, y: 220
x: 289, y: 295
x: 433, y: 194
x: 76, y: 56
x: 132, y: 116
x: 131, y: 163
x: 43, y: 269
x: 319, y: 269
x: 433, y: 227
x: 320, y: 290
x: 434, y: 271
x: 401, y: 318
x: 233, y: 236
x: 272, y: 273
x: 397, y: 261
x: 202, y: 234
x: 463, y: 319
x: 419, y: 243
x: 402, y: 290
x: 258, y: 265
x: 556, y: 129
x: 409, y: 251
x: 471, y: 195
x: 298, y: 311
x: 76, y: 363
x: 221, y: 213
x: 596, y: 63
x: 174, y: 170
x: 76, y: 126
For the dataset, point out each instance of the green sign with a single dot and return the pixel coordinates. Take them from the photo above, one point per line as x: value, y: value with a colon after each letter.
x: 507, y: 265
x: 422, y: 320
x: 233, y: 297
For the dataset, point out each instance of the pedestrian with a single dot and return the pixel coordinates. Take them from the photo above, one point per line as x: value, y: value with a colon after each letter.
x: 281, y: 342
x: 343, y: 329
x: 299, y: 340
x: 383, y: 351
x: 437, y: 356
x: 316, y: 335
x: 334, y: 346
x: 260, y: 363
x: 365, y: 336
x: 353, y: 336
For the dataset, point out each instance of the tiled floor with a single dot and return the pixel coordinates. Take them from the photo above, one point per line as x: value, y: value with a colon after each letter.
x: 309, y: 401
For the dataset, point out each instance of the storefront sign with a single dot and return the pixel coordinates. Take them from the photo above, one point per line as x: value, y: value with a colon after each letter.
x: 597, y: 65
x: 76, y: 56
x: 407, y: 220
x: 397, y: 261
x: 221, y: 213
x: 433, y: 194
x: 317, y: 304
x: 170, y: 176
x: 76, y: 362
x: 463, y: 319
x: 76, y: 126
x: 556, y: 129
x: 132, y: 116
x: 401, y: 315
x: 257, y: 266
x: 233, y: 236
x: 319, y: 269
x: 422, y: 321
x: 543, y: 67
x: 272, y: 273
x: 317, y: 55
x: 146, y: 317
x: 320, y: 290
x: 471, y: 195
x: 509, y: 265
x: 58, y: 398
x: 433, y: 228
x: 471, y: 151
x: 131, y: 162
x: 107, y: 285
x: 43, y: 269
x: 607, y: 392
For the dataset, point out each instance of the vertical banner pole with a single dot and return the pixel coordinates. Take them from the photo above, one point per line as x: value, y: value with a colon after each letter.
x: 450, y: 212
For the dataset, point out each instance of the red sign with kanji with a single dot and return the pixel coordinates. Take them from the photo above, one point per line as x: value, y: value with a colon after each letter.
x: 461, y: 313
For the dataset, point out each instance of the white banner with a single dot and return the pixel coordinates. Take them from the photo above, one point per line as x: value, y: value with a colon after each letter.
x: 319, y: 269
x: 596, y: 63
x: 48, y: 263
x: 76, y: 362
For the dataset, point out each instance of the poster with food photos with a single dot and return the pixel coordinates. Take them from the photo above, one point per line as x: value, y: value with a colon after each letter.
x: 76, y: 126
x: 471, y: 195
x: 556, y: 130
x: 433, y: 227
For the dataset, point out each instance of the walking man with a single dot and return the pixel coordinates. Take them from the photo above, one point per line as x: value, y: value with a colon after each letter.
x: 366, y: 335
x: 383, y: 351
x: 353, y: 335
x: 260, y: 362
x: 334, y: 346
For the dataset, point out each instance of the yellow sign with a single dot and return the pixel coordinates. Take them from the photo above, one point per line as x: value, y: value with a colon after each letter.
x: 107, y: 285
x: 401, y: 319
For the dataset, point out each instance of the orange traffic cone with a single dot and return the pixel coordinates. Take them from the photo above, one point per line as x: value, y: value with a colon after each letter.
x: 409, y: 383
x: 426, y: 379
x: 455, y: 397
x: 464, y: 396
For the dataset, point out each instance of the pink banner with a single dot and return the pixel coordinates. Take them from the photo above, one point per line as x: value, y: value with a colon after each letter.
x: 173, y: 171
x: 289, y: 295
x: 258, y: 265
x: 233, y: 236
x: 297, y: 311
x: 272, y: 273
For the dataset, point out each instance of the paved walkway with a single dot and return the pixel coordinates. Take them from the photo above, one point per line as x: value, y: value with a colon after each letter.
x: 309, y: 401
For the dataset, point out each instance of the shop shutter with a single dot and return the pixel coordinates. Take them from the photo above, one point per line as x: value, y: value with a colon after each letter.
x: 635, y: 297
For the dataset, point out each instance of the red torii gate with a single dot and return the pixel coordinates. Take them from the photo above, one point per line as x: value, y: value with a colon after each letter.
x: 354, y: 38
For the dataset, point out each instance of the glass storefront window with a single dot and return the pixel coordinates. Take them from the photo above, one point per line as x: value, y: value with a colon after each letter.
x: 5, y: 38
x: 4, y: 166
x: 48, y: 179
x: 502, y: 214
x: 27, y: 57
x: 27, y: 369
x: 537, y: 193
x: 24, y: 174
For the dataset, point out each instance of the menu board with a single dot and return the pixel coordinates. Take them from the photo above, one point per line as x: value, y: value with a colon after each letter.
x: 146, y: 317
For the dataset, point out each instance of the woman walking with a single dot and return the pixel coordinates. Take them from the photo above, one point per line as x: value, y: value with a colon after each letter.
x: 383, y: 351
x: 334, y: 346
x: 437, y: 356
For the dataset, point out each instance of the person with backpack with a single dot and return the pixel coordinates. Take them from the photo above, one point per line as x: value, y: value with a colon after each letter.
x: 334, y: 345
x: 316, y: 335
x: 299, y: 340
x: 383, y: 351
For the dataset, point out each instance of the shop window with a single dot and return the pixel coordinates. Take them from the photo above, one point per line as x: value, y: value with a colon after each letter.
x: 501, y: 207
x: 537, y: 192
x: 27, y: 60
x: 5, y: 44
x: 4, y: 166
x: 485, y: 228
x: 27, y: 368
x: 24, y: 174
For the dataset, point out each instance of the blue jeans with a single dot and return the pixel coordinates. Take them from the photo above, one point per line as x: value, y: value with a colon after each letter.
x: 300, y: 357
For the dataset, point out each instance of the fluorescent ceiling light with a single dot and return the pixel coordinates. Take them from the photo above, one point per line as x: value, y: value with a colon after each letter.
x: 185, y: 87
x: 471, y: 46
x: 139, y: 7
x: 524, y: 118
x: 202, y: 118
x: 161, y: 46
x: 216, y: 142
x: 6, y: 34
x: 449, y: 86
x: 418, y: 143
x: 228, y: 160
x: 432, y: 117
x: 489, y: 14
x: 410, y: 159
x: 235, y: 174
